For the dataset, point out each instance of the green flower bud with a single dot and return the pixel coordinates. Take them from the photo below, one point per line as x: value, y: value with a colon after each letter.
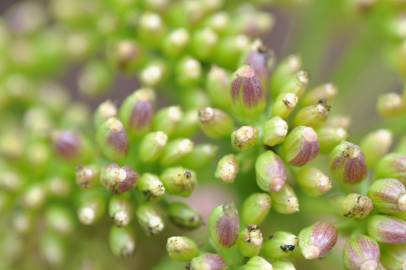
x: 250, y: 241
x: 151, y: 29
x: 112, y: 139
x: 347, y: 163
x: 215, y: 123
x: 104, y: 111
x: 312, y: 115
x: 375, y: 145
x: 189, y: 124
x: 283, y: 72
x: 323, y: 93
x: 300, y: 146
x: 121, y: 241
x: 217, y: 85
x: 118, y: 179
x: 339, y: 121
x: 224, y: 225
x: 208, y: 261
x: 392, y: 165
x: 201, y: 156
x: 255, y: 208
x: 34, y: 196
x: 257, y: 263
x: 284, y: 104
x: 227, y: 168
x: 244, y: 138
x: 230, y: 49
x: 387, y: 229
x: 52, y: 248
x: 183, y: 216
x: 194, y: 99
x: 313, y: 182
x: 189, y: 71
x: 168, y: 119
x: 95, y: 79
x: 219, y: 22
x: 120, y: 211
x: 394, y: 257
x: 150, y: 219
x: 151, y: 186
x: 126, y: 54
x: 87, y: 176
x: 330, y: 137
x: 355, y: 206
x: 58, y: 187
x: 10, y: 181
x: 179, y: 181
x: 280, y: 245
x: 203, y: 43
x: 60, y: 219
x: 175, y: 42
x: 91, y: 207
x: 274, y: 131
x: 152, y: 146
x: 181, y: 248
x: 153, y: 73
x: 285, y: 201
x: 176, y: 151
x: 283, y: 265
x: 361, y: 252
x: 296, y: 84
x: 388, y: 195
x: 270, y: 172
x: 317, y: 240
x: 390, y: 105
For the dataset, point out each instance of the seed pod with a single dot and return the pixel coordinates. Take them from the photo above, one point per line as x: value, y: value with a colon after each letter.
x: 280, y: 245
x: 179, y: 181
x: 120, y: 211
x: 217, y: 85
x: 201, y: 156
x: 394, y: 257
x: 153, y: 73
x: 285, y: 200
x: 181, y: 248
x: 257, y: 263
x: 270, y: 172
x: 313, y: 182
x: 152, y: 146
x: 300, y: 146
x: 312, y: 115
x: 317, y: 240
x: 176, y: 42
x: 91, y: 207
x: 390, y: 105
x: 361, y: 252
x: 168, y: 119
x: 347, y: 163
x: 250, y: 241
x: 244, y: 138
x: 104, y: 111
x: 87, y: 176
x: 283, y: 72
x: 296, y: 84
x: 121, y: 241
x: 330, y: 137
x: 150, y: 219
x: 183, y: 216
x: 388, y: 195
x: 323, y: 93
x: 274, y: 131
x: 375, y: 145
x: 255, y: 208
x: 283, y: 265
x: 189, y: 72
x: 355, y: 206
x: 176, y: 151
x: 151, y: 187
x: 224, y: 225
x: 208, y: 261
x: 392, y: 165
x: 387, y: 229
x: 227, y: 168
x: 118, y: 179
x: 112, y: 139
x: 215, y: 123
x: 203, y: 43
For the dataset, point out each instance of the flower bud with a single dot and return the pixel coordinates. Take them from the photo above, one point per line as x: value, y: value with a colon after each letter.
x: 217, y: 85
x: 355, y: 206
x: 250, y: 241
x: 104, y: 111
x: 118, y: 179
x: 330, y: 137
x: 126, y: 54
x: 120, y: 211
x: 179, y: 181
x: 149, y: 219
x: 323, y: 93
x: 375, y: 145
x: 215, y: 123
x: 285, y: 201
x: 283, y: 265
x: 112, y: 139
x: 201, y: 156
x: 401, y: 146
x: 189, y: 123
x: 257, y: 263
x: 121, y: 241
x: 87, y: 176
x: 244, y: 138
x: 203, y: 42
x: 176, y: 42
x: 280, y: 245
x: 230, y: 49
x: 255, y: 208
x: 168, y: 119
x: 313, y: 182
x: 181, y: 248
x: 387, y: 229
x: 189, y: 72
x: 394, y: 257
x: 208, y: 261
x: 296, y: 84
x: 91, y: 207
x: 52, y: 248
x: 176, y: 151
x: 339, y: 121
x: 390, y: 105
x: 283, y: 72
x: 69, y: 145
x: 224, y: 225
x: 151, y: 187
x: 152, y: 146
x: 317, y: 240
x: 95, y: 79
x: 183, y: 216
x: 274, y: 131
x: 153, y: 74
x: 227, y: 168
x: 270, y: 172
x: 361, y: 252
x: 392, y: 165
x: 312, y: 115
x: 260, y: 59
x: 300, y: 146
x: 347, y: 163
x: 388, y: 195
x: 150, y: 29
x: 60, y: 219
x: 284, y: 104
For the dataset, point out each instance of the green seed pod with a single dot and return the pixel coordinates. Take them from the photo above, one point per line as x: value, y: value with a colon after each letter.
x: 375, y: 145
x: 312, y: 115
x: 215, y: 123
x: 392, y: 165
x: 208, y: 261
x: 323, y: 93
x: 53, y: 249
x: 151, y: 29
x: 394, y: 257
x: 95, y: 79
x: 227, y: 168
x: 347, y: 163
x: 217, y: 85
x: 284, y: 104
x: 244, y: 138
x: 176, y: 151
x: 120, y: 211
x: 175, y: 42
x: 152, y: 146
x: 283, y: 72
x: 168, y: 119
x: 300, y: 146
x: 317, y: 240
x: 390, y: 105
x: 257, y: 263
x: 121, y: 241
x: 154, y: 73
x: 283, y: 265
x: 274, y: 131
x: 296, y: 84
x: 250, y: 241
x: 150, y: 219
x: 104, y: 111
x: 270, y: 172
x: 255, y: 208
x: 330, y: 137
x: 280, y: 245
x: 179, y: 181
x: 181, y: 248
x: 118, y: 179
x: 285, y: 201
x: 387, y: 229
x: 203, y: 43
x: 189, y: 72
x: 313, y: 182
x: 112, y: 139
x: 361, y: 252
x: 388, y: 195
x: 183, y: 216
x: 91, y: 207
x: 151, y: 187
x: 60, y: 220
x: 224, y: 225
x: 201, y: 156
x: 87, y: 176
x: 355, y: 206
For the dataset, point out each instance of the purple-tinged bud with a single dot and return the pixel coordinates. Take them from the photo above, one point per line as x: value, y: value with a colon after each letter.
x: 270, y: 172
x: 224, y: 225
x: 317, y: 240
x: 300, y: 146
x: 118, y: 179
x: 361, y: 253
x: 112, y: 139
x: 244, y: 138
x: 392, y: 165
x: 207, y: 261
x: 394, y: 257
x: 387, y: 229
x: 260, y: 59
x: 388, y: 195
x: 87, y: 176
x: 347, y: 163
x: 67, y: 144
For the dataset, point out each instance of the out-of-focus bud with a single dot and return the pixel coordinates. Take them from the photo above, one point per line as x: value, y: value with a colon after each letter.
x: 312, y: 115
x: 219, y: 21
x: 179, y: 181
x: 34, y: 196
x: 347, y: 163
x: 215, y: 123
x: 87, y: 176
x: 317, y: 240
x: 283, y: 265
x: 244, y: 138
x: 285, y: 201
x: 224, y: 225
x: 217, y: 85
x: 361, y: 252
x: 176, y: 42
x: 330, y: 137
x: 189, y: 125
x: 60, y: 219
x: 91, y: 207
x: 392, y: 165
x: 181, y: 248
x: 104, y: 111
x: 250, y: 241
x: 153, y: 73
x: 203, y: 43
x: 270, y: 171
x: 227, y: 168
x: 230, y: 49
x: 151, y: 29
x: 120, y: 211
x: 152, y: 146
x: 176, y: 151
x: 150, y: 219
x: 300, y: 146
x: 313, y: 182
x: 208, y: 261
x: 401, y: 146
x: 255, y: 208
x: 257, y: 263
x: 260, y: 59
x: 118, y: 179
x: 394, y: 257
x: 52, y: 248
x: 283, y: 72
x: 339, y: 121
x: 121, y: 241
x: 284, y: 104
x: 201, y: 155
x: 324, y: 93
x: 388, y: 195
x: 70, y: 145
x: 126, y: 54
x: 280, y: 245
x: 112, y: 139
x: 151, y: 186
x: 274, y: 131
x: 95, y: 79
x: 355, y: 206
x: 390, y: 105
x: 387, y: 229
x: 183, y: 216
x: 375, y: 145
x: 168, y: 119
x: 189, y: 72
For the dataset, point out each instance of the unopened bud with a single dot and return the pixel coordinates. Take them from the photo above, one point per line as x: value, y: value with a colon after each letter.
x: 183, y: 216
x: 152, y: 146
x: 388, y: 195
x: 168, y: 119
x: 270, y: 171
x: 244, y: 138
x: 285, y: 200
x: 175, y: 151
x: 283, y: 265
x: 118, y: 179
x: 394, y: 257
x: 215, y: 123
x: 224, y: 225
x: 250, y: 241
x: 392, y: 165
x: 280, y: 245
x: 112, y: 139
x: 274, y: 131
x: 313, y: 181
x: 91, y: 207
x: 390, y: 105
x: 120, y: 211
x: 179, y: 181
x: 387, y: 229
x: 330, y: 137
x: 87, y: 176
x: 255, y: 208
x: 150, y: 219
x: 181, y: 248
x: 121, y: 241
x: 361, y: 252
x: 227, y: 168
x: 284, y: 104
x: 312, y: 115
x: 151, y: 186
x: 208, y: 261
x: 103, y: 112
x: 217, y: 85
x: 375, y: 145
x: 257, y: 263
x: 283, y: 72
x: 355, y: 206
x: 323, y: 93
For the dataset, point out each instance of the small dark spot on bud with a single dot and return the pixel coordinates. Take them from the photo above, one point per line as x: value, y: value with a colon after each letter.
x: 287, y: 248
x: 188, y: 174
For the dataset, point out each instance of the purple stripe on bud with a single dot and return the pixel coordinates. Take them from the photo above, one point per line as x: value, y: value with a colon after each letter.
x: 361, y: 253
x: 67, y: 144
x: 118, y: 139
x: 228, y: 226
x: 141, y: 115
x: 247, y: 87
x: 309, y: 149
